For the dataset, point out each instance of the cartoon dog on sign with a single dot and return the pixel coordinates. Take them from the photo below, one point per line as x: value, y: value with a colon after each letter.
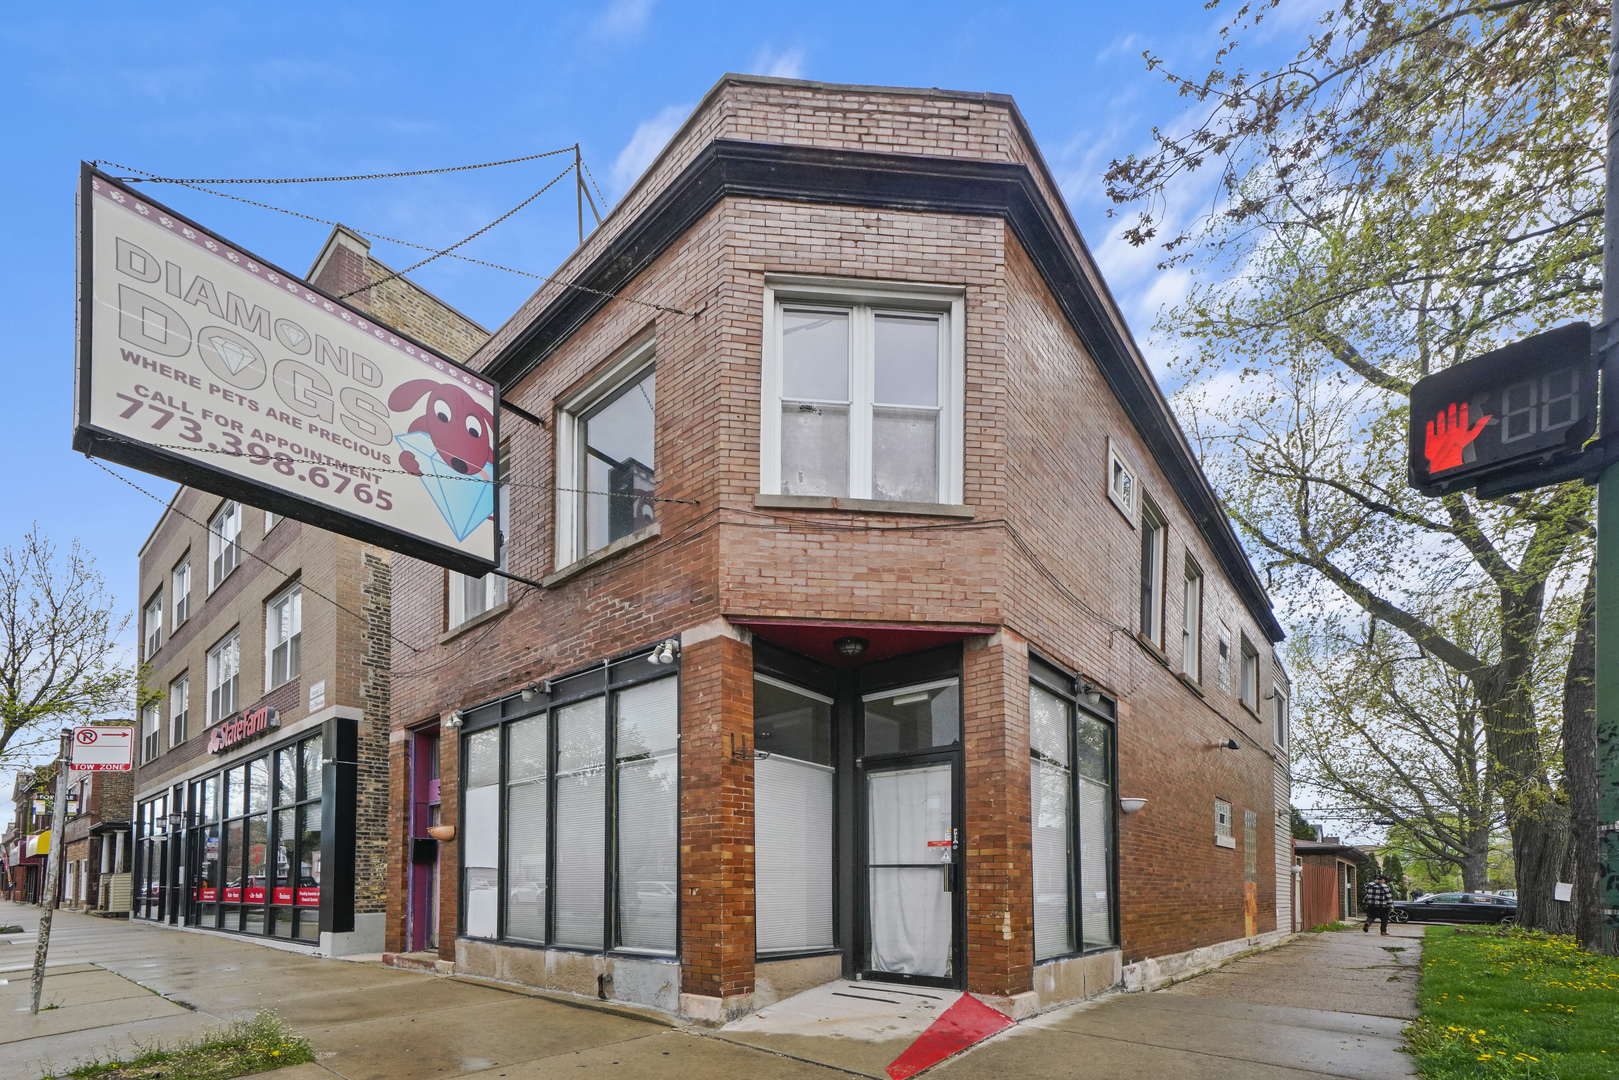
x: 450, y: 447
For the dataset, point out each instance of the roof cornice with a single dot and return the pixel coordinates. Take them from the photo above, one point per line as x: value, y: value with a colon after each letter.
x: 811, y: 174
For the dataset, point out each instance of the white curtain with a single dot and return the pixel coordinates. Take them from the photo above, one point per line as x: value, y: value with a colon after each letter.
x: 648, y: 728
x: 910, y: 909
x: 525, y: 830
x: 581, y: 823
x: 792, y: 830
x: 480, y: 832
x: 1095, y: 837
x: 1051, y: 799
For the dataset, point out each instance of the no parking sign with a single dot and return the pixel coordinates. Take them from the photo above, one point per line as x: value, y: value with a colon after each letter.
x: 103, y: 749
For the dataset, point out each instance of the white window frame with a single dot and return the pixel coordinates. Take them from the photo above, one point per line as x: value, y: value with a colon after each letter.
x: 179, y: 707
x: 1192, y: 622
x: 1154, y: 554
x: 292, y: 594
x: 214, y: 681
x: 180, y: 591
x: 632, y: 364
x: 1222, y: 825
x: 152, y: 624
x: 1248, y: 687
x: 151, y: 729
x: 1122, y: 484
x: 229, y: 510
x: 949, y: 302
x: 1222, y: 662
x: 494, y: 585
x: 1279, y: 717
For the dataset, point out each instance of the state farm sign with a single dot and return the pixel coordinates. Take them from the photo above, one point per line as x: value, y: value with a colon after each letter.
x: 249, y: 725
x: 200, y: 362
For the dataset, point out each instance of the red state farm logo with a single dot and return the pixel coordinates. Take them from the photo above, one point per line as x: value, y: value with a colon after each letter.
x: 253, y: 722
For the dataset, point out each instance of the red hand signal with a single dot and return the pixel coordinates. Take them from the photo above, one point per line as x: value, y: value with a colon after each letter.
x: 1447, y: 436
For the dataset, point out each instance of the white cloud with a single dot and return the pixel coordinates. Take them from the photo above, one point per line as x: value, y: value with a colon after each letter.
x: 650, y: 137
x: 787, y: 64
x: 1123, y: 45
x: 622, y: 18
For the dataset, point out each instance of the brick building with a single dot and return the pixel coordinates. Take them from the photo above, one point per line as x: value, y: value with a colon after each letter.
x: 28, y: 838
x: 96, y: 846
x: 867, y: 572
x: 261, y: 786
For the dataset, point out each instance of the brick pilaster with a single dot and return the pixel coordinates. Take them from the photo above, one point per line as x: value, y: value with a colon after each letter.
x: 1000, y: 905
x: 716, y: 821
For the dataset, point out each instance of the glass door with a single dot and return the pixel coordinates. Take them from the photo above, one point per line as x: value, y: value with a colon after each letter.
x: 912, y: 877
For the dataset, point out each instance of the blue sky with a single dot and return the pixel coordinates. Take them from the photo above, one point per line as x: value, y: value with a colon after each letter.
x: 296, y: 89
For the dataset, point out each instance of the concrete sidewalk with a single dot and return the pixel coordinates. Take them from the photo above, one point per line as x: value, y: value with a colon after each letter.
x: 116, y: 984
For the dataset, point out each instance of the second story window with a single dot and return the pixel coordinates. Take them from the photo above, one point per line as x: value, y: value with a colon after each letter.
x: 152, y: 624
x: 1192, y: 622
x: 283, y: 625
x: 1153, y: 534
x: 179, y: 708
x: 472, y: 596
x: 151, y: 725
x: 862, y: 393
x: 1279, y: 714
x: 1222, y: 667
x: 607, y: 470
x: 224, y: 677
x: 224, y: 543
x: 1250, y: 675
x: 180, y: 590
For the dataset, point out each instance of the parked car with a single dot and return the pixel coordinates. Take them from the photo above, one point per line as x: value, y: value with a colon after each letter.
x: 1509, y: 893
x: 1455, y: 907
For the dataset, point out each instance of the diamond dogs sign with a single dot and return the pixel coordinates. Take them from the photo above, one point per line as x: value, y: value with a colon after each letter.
x: 200, y: 362
x: 1509, y: 420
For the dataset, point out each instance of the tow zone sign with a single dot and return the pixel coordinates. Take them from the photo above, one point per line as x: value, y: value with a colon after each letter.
x: 103, y: 749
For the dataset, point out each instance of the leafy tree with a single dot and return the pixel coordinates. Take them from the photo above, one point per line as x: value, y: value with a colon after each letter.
x: 1421, y: 183
x: 59, y: 631
x: 1395, y: 869
x: 1302, y: 830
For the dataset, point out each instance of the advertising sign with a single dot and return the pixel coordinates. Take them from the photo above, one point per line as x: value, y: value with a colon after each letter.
x: 1518, y: 407
x: 102, y: 749
x: 203, y: 363
x: 250, y: 724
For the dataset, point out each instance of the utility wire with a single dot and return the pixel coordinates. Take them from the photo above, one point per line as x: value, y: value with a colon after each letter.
x: 419, y: 247
x: 452, y: 247
x: 594, y: 184
x: 148, y: 178
x: 250, y: 554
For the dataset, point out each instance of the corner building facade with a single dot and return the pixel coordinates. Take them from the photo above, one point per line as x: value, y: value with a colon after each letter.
x: 869, y: 581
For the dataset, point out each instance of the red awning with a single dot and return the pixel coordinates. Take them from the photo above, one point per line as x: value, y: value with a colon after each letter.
x: 814, y: 638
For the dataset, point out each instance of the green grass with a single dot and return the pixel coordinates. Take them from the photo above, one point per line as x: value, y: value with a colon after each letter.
x: 1322, y: 928
x: 247, y: 1046
x: 1504, y: 1002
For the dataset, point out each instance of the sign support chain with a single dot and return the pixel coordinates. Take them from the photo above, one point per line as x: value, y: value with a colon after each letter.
x: 1607, y: 601
x: 53, y: 865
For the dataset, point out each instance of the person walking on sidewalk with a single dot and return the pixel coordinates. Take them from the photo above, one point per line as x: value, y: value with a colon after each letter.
x: 1378, y: 896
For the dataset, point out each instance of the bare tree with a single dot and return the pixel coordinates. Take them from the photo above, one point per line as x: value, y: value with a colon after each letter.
x: 59, y: 629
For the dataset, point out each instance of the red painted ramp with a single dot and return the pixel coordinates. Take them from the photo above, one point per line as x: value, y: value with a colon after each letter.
x: 958, y: 1027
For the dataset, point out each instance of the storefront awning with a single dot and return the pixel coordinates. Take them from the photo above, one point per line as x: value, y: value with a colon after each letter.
x: 815, y: 638
x: 38, y: 844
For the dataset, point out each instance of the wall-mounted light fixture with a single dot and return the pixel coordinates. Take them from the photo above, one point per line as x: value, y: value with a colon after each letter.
x: 1230, y: 744
x: 1090, y: 695
x: 851, y: 646
x: 176, y: 821
x: 455, y: 720
x: 664, y: 652
x: 531, y: 691
x: 1130, y: 806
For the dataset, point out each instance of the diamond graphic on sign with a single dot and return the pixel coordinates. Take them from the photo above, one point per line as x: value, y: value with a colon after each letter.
x: 236, y: 358
x: 465, y: 501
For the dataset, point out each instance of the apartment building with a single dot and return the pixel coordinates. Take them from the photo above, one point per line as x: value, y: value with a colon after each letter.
x: 878, y: 621
x: 261, y: 788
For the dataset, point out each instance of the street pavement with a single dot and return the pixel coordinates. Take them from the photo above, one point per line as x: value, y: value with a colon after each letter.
x: 1329, y: 1005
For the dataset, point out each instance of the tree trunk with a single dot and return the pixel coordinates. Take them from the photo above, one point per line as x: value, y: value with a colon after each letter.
x: 1580, y: 772
x: 1476, y: 868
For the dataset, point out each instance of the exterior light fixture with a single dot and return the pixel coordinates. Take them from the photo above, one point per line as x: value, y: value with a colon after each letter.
x: 664, y: 652
x: 851, y: 646
x: 1090, y: 695
x: 456, y: 719
x: 530, y: 692
x: 176, y: 820
x: 1230, y: 744
x: 1130, y: 806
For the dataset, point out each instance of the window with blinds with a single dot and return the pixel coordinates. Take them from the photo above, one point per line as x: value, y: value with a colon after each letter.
x: 1072, y: 803
x: 570, y: 824
x: 792, y: 822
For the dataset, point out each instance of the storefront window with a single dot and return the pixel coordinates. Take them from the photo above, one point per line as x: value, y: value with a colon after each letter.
x: 916, y: 718
x: 792, y: 824
x: 541, y: 875
x: 1072, y: 818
